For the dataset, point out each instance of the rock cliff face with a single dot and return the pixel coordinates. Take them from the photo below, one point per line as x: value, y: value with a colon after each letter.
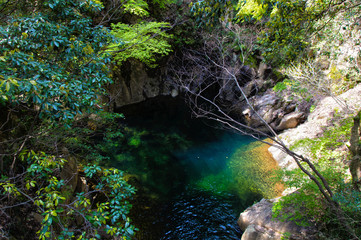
x: 278, y: 112
x: 134, y: 82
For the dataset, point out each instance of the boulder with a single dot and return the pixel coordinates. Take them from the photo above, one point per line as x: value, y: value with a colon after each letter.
x: 250, y: 88
x: 291, y: 120
x: 277, y: 112
x: 258, y: 224
x: 264, y: 105
x: 256, y: 232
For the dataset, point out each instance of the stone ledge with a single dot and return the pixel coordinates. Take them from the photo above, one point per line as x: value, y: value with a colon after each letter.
x: 258, y: 224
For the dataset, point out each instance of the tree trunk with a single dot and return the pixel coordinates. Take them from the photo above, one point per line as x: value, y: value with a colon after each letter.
x: 355, y: 148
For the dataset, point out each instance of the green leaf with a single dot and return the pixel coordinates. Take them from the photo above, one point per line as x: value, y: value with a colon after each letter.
x: 143, y: 41
x: 7, y: 86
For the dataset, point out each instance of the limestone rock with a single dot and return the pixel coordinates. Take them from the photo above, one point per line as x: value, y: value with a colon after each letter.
x: 265, y: 106
x: 258, y: 224
x: 290, y: 120
x: 284, y: 160
x: 256, y: 232
x: 278, y: 113
x: 346, y: 104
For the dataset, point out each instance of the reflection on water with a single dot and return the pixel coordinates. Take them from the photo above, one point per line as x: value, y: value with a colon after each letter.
x: 196, y: 214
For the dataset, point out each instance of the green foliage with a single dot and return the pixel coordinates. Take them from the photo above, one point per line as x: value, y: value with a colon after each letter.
x: 136, y: 7
x: 143, y: 41
x: 91, y: 138
x: 16, y: 8
x: 135, y: 141
x: 289, y: 25
x: 253, y: 8
x: 307, y: 204
x: 140, y: 7
x: 54, y: 59
x: 322, y: 148
x: 312, y: 108
x: 350, y: 200
x: 53, y: 68
x: 293, y: 88
x: 285, y: 29
x: 163, y: 3
x: 210, y: 12
x: 42, y: 185
x: 307, y: 201
x: 286, y: 236
x: 280, y: 86
x: 286, y: 25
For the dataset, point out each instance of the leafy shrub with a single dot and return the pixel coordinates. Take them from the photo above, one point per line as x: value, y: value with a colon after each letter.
x: 94, y: 214
x: 53, y: 59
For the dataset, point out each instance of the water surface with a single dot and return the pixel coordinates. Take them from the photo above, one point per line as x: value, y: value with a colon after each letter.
x: 193, y: 180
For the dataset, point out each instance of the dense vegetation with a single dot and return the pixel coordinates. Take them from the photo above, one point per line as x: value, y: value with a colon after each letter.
x: 57, y: 58
x: 55, y: 65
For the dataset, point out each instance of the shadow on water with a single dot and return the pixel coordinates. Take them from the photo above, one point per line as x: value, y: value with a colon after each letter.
x: 188, y: 174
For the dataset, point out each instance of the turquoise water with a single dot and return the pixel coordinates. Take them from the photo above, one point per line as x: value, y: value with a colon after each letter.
x: 186, y: 188
x: 211, y: 155
x: 208, y: 207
